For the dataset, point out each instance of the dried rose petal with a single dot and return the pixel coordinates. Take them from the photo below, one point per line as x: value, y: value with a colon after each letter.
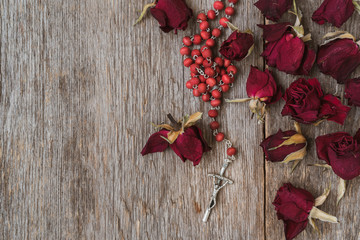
x: 352, y: 90
x: 336, y: 12
x: 333, y: 110
x: 172, y: 14
x: 273, y: 9
x: 237, y: 46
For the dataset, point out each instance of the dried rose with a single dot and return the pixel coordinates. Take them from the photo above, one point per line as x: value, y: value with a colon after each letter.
x: 285, y: 146
x: 171, y: 14
x: 261, y: 89
x: 335, y: 12
x: 306, y: 103
x: 296, y: 207
x: 273, y: 9
x: 341, y: 152
x: 352, y: 90
x: 339, y: 56
x: 238, y: 46
x: 184, y: 138
x: 286, y: 50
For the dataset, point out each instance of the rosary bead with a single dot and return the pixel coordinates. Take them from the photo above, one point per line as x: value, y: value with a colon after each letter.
x: 204, y: 25
x: 211, y: 14
x: 197, y: 39
x: 193, y: 74
x: 206, y: 97
x: 231, y: 151
x: 193, y: 68
x: 195, y: 52
x: 219, y: 137
x: 202, y: 87
x: 209, y: 71
x: 214, y: 125
x: 207, y: 63
x: 188, y: 62
x: 187, y: 41
x: 223, y: 22
x: 211, y: 82
x: 229, y: 11
x: 213, y: 113
x: 189, y: 84
x: 218, y: 5
x: 226, y: 79
x: 225, y: 88
x: 196, y: 93
x: 199, y: 60
x: 222, y: 72
x: 216, y: 93
x: 219, y: 61
x: 216, y: 32
x: 205, y: 35
x: 215, y: 102
x: 217, y: 69
x: 185, y: 51
x: 201, y: 16
x: 233, y: 1
x: 194, y: 81
x: 227, y: 62
x: 232, y: 69
x: 207, y: 53
x: 210, y: 42
x: 202, y: 78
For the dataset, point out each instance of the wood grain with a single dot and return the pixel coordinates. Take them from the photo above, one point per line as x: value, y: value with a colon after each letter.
x: 79, y: 88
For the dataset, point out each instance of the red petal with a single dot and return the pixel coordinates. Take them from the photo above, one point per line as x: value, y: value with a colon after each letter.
x: 156, y: 143
x: 274, y: 32
x: 292, y: 229
x: 352, y: 90
x: 273, y: 9
x: 333, y: 110
x: 335, y: 12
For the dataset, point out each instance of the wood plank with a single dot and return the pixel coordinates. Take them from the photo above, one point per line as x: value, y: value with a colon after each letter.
x: 312, y: 178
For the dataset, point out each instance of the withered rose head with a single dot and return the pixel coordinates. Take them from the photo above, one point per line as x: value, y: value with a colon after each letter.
x: 286, y: 51
x: 352, y: 90
x: 184, y: 138
x: 273, y: 9
x: 284, y: 146
x: 335, y: 12
x: 306, y: 103
x: 339, y: 58
x: 342, y: 152
x: 293, y: 206
x: 238, y: 46
x: 261, y: 85
x: 172, y: 14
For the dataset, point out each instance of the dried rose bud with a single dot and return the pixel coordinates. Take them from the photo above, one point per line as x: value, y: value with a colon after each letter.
x: 273, y: 9
x: 336, y: 12
x: 339, y: 56
x: 285, y: 146
x: 287, y: 51
x: 184, y: 138
x: 306, y: 103
x: 296, y: 207
x: 238, y: 46
x: 261, y: 89
x: 171, y: 14
x: 352, y: 90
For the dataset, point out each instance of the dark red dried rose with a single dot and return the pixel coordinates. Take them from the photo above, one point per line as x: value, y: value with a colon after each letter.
x: 352, y: 91
x: 186, y: 140
x: 273, y: 9
x: 293, y: 206
x: 339, y: 58
x: 335, y: 12
x: 342, y: 152
x: 238, y: 46
x: 261, y: 85
x: 284, y: 146
x: 285, y: 51
x: 172, y: 14
x: 306, y: 103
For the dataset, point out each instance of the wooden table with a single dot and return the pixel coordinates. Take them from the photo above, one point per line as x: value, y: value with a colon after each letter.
x: 79, y: 88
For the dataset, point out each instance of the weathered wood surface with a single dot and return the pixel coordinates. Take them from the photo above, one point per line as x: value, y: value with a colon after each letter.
x: 79, y: 87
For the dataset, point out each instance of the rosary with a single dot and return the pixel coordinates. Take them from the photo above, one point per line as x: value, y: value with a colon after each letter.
x: 210, y: 77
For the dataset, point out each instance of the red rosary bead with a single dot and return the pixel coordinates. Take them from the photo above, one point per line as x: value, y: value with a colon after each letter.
x: 185, y: 51
x: 216, y: 93
x: 201, y: 16
x: 194, y: 67
x: 197, y: 39
x: 187, y: 41
x: 211, y: 82
x: 189, y: 84
x: 219, y: 137
x: 205, y: 35
x: 218, y: 5
x: 225, y: 88
x: 226, y: 79
x: 213, y: 113
x: 229, y: 11
x: 216, y: 32
x: 211, y: 14
x: 207, y: 53
x: 209, y: 71
x: 214, y: 125
x: 194, y: 81
x: 196, y: 93
x: 195, y: 52
x: 202, y: 78
x: 188, y: 62
x: 204, y: 25
x: 223, y: 22
x: 232, y: 69
x: 227, y: 62
x: 210, y: 42
x: 219, y: 61
x: 199, y: 60
x: 215, y: 102
x: 207, y: 63
x: 233, y: 1
x: 206, y: 97
x: 202, y: 87
x: 231, y: 151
